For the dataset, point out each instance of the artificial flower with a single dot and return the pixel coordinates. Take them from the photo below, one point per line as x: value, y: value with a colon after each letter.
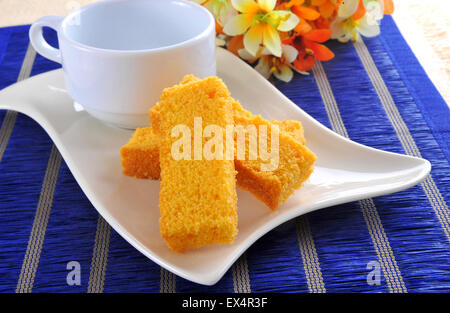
x: 360, y: 11
x: 349, y: 29
x: 374, y: 10
x: 235, y: 44
x: 347, y: 8
x: 303, y: 27
x: 280, y: 67
x: 304, y: 13
x: 310, y: 48
x: 359, y: 8
x: 283, y: 36
x: 221, y: 9
x: 326, y: 7
x: 322, y: 23
x: 221, y: 40
x: 357, y: 17
x: 307, y: 13
x: 268, y: 65
x: 388, y: 7
x: 260, y: 24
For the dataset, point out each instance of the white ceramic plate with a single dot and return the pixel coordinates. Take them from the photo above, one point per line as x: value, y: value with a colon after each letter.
x: 345, y: 171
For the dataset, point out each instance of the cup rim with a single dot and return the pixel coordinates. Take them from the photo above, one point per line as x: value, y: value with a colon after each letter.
x: 186, y: 43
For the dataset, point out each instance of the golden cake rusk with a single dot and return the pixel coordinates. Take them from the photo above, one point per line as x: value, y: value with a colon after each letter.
x: 294, y: 128
x: 140, y: 156
x: 155, y: 118
x: 265, y: 186
x: 295, y: 165
x: 198, y: 201
x: 154, y: 111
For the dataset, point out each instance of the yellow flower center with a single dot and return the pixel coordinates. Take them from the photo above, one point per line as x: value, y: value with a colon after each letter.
x: 352, y: 26
x: 350, y: 23
x: 273, y: 18
x: 277, y: 63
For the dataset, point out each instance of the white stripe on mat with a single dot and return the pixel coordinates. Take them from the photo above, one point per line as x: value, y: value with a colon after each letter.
x: 241, y: 277
x: 310, y: 259
x: 429, y: 187
x: 379, y: 238
x: 168, y: 282
x: 99, y: 257
x: 37, y: 236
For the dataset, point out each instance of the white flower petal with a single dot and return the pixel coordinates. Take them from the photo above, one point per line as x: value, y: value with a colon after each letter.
x: 290, y: 23
x: 285, y: 73
x: 223, y: 20
x: 238, y: 24
x: 253, y: 39
x: 244, y: 5
x: 368, y: 29
x: 267, y: 5
x: 348, y: 8
x: 375, y: 9
x: 265, y: 51
x: 290, y: 53
x: 263, y: 67
x: 337, y: 29
x: 244, y: 54
x: 220, y: 42
x: 272, y: 40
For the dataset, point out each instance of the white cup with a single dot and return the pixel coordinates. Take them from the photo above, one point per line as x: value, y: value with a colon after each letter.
x: 118, y: 55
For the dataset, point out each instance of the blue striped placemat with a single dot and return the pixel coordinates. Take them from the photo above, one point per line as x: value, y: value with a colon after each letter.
x: 374, y: 92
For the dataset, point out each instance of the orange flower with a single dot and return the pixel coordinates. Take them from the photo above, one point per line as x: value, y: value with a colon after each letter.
x: 236, y: 43
x: 298, y: 8
x: 303, y: 27
x: 322, y: 23
x: 388, y: 7
x: 306, y: 14
x: 219, y: 29
x: 360, y: 11
x: 310, y: 48
x: 326, y: 7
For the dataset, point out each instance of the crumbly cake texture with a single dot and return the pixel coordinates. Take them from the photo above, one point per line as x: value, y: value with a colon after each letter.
x: 296, y: 161
x: 140, y: 156
x: 198, y: 201
x: 295, y: 165
x: 155, y: 118
x: 292, y: 128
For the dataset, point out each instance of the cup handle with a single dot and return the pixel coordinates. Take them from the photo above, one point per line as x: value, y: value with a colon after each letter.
x: 37, y: 38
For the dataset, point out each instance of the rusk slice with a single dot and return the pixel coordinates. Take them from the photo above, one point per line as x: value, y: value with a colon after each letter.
x: 140, y: 156
x: 273, y: 187
x: 198, y: 201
